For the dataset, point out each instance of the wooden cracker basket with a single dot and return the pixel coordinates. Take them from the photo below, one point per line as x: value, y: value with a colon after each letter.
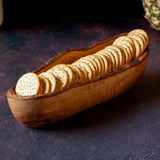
x: 44, y: 109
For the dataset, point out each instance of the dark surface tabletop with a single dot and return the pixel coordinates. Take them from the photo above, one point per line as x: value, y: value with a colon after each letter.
x: 124, y: 128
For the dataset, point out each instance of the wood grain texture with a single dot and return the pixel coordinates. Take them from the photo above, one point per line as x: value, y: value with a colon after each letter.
x: 39, y: 110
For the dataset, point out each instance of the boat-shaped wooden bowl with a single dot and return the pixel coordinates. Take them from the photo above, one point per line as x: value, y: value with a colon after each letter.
x: 44, y: 109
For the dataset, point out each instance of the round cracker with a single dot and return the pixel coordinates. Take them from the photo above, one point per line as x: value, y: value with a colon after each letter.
x: 113, y: 60
x: 108, y: 59
x: 89, y: 62
x: 139, y: 39
x: 144, y: 39
x: 51, y: 79
x: 120, y: 54
x: 28, y: 84
x: 61, y: 78
x: 145, y: 42
x: 106, y: 62
x: 121, y: 44
x: 126, y: 38
x: 68, y: 70
x: 140, y: 31
x: 94, y: 64
x: 102, y: 63
x: 139, y: 34
x: 86, y: 67
x: 98, y: 63
x: 84, y: 73
x: 123, y: 40
x: 77, y: 74
x: 80, y: 74
x: 46, y: 84
x: 138, y: 48
x: 84, y: 76
x: 126, y: 53
x: 115, y: 54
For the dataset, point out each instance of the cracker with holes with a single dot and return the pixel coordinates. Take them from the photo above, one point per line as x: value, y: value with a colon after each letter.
x: 111, y: 56
x: 68, y: 70
x: 139, y: 39
x: 128, y: 41
x: 86, y: 67
x: 51, y: 79
x: 108, y: 61
x: 126, y: 53
x: 102, y: 63
x: 89, y: 62
x: 28, y: 85
x: 61, y: 78
x: 137, y: 47
x: 77, y: 74
x: 114, y: 53
x: 120, y: 53
x: 45, y: 83
x: 96, y: 62
x: 142, y: 32
x: 126, y: 46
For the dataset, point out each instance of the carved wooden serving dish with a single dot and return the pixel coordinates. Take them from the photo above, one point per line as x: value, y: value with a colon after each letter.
x: 44, y: 109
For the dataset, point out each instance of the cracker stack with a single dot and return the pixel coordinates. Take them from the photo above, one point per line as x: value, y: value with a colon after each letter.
x: 122, y: 51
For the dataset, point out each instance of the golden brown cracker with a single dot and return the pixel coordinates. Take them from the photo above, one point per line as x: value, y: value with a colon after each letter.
x: 142, y: 32
x: 106, y: 62
x: 138, y: 48
x: 102, y: 63
x: 68, y: 70
x: 129, y: 43
x: 139, y: 39
x: 113, y: 60
x: 86, y: 67
x: 51, y: 79
x: 89, y: 62
x: 98, y: 63
x: 62, y: 78
x: 126, y: 53
x: 120, y: 54
x: 46, y: 84
x: 108, y: 58
x: 28, y: 84
x: 114, y: 53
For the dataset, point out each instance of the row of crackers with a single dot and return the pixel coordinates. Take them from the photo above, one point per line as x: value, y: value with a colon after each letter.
x: 122, y: 51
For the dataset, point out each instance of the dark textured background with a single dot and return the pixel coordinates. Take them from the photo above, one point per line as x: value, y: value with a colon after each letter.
x: 38, y: 11
x: 124, y: 128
